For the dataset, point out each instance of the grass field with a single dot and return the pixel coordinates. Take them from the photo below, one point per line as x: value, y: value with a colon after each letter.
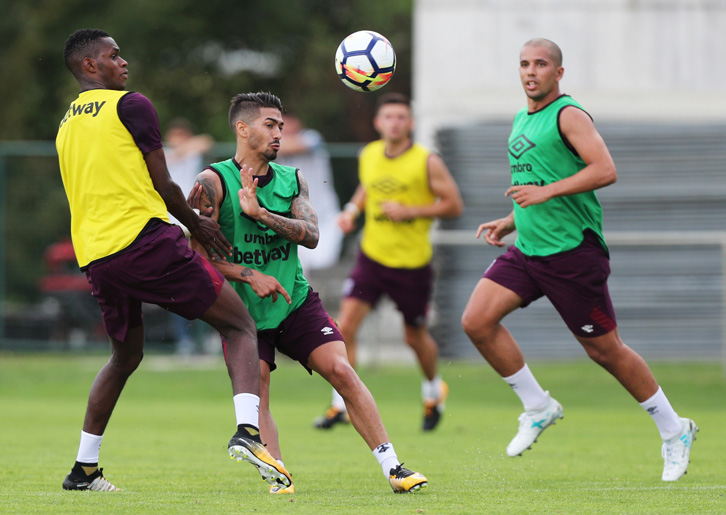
x: 166, y: 443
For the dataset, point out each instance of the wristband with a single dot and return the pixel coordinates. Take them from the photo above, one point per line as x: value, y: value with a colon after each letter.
x: 352, y: 209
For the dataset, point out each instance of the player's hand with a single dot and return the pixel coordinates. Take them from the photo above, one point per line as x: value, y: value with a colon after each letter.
x: 496, y: 230
x: 528, y: 195
x: 266, y: 286
x: 207, y: 232
x: 395, y: 211
x: 248, y: 194
x: 346, y: 222
x: 194, y: 199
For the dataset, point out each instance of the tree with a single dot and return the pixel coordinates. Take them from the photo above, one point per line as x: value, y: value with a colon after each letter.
x: 191, y: 57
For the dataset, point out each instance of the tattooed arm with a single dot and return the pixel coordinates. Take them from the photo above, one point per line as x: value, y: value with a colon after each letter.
x: 206, y: 195
x: 301, y: 228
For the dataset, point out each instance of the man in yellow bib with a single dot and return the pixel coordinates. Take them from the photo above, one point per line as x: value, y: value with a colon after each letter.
x: 119, y: 191
x: 403, y: 188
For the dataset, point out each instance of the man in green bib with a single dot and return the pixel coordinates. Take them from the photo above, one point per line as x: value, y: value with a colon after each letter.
x: 557, y: 161
x: 264, y: 210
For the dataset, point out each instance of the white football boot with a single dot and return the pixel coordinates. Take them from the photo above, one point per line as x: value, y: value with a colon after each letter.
x: 531, y: 425
x: 676, y: 452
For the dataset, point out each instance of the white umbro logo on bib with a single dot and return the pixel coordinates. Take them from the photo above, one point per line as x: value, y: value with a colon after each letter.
x: 588, y: 328
x: 327, y: 331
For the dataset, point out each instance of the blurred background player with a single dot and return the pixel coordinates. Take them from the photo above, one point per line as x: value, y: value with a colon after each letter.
x: 560, y: 253
x: 264, y: 208
x: 403, y: 188
x: 185, y: 153
x: 304, y: 148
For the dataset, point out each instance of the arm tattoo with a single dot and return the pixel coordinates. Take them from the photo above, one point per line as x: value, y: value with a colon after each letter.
x: 302, y: 227
x: 209, y: 197
x: 245, y: 272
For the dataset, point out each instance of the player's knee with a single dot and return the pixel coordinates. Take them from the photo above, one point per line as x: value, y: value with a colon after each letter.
x: 475, y: 327
x: 127, y: 363
x: 413, y: 339
x: 342, y: 376
x: 601, y: 356
x: 241, y: 326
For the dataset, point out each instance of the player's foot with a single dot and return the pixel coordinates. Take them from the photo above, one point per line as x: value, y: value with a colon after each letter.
x: 332, y: 416
x: 676, y: 452
x: 95, y: 482
x: 243, y: 448
x: 434, y: 409
x: 404, y: 481
x: 279, y: 489
x: 531, y: 425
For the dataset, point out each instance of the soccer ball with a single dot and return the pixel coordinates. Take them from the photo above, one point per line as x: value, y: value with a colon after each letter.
x: 365, y: 61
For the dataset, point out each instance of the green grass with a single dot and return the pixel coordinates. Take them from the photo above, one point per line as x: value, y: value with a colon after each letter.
x: 166, y: 443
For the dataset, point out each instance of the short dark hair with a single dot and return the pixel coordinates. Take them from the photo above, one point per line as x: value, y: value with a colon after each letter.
x: 246, y: 106
x: 392, y: 98
x: 81, y: 44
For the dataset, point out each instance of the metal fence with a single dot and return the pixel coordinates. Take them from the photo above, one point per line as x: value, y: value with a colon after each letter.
x: 45, y: 302
x: 664, y: 222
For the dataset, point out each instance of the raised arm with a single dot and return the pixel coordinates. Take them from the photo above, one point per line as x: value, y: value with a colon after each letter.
x: 302, y: 226
x: 206, y: 195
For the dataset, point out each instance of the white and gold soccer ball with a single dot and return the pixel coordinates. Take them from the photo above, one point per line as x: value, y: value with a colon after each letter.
x: 365, y: 61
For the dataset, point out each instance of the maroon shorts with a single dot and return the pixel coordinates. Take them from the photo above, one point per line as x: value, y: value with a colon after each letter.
x: 574, y: 281
x: 303, y: 331
x: 409, y: 288
x: 159, y: 268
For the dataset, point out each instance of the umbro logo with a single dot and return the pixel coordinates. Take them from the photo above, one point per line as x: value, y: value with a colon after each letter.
x: 519, y: 145
x: 389, y: 186
x: 382, y: 448
x: 327, y: 331
x: 652, y: 410
x: 588, y: 328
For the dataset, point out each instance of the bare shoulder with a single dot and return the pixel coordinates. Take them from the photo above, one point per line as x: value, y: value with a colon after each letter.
x: 304, y: 190
x: 212, y: 191
x: 574, y: 118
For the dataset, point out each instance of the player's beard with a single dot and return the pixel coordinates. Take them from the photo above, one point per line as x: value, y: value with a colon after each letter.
x: 270, y: 154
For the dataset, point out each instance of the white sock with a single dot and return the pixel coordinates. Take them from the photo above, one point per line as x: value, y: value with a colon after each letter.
x: 527, y: 389
x: 90, y: 448
x: 386, y: 456
x: 247, y: 409
x: 338, y: 402
x: 431, y: 390
x: 663, y: 414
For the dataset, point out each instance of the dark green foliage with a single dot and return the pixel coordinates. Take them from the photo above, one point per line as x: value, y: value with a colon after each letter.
x: 172, y: 48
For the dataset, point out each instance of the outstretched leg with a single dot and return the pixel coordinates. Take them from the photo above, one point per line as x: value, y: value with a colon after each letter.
x: 630, y: 369
x: 330, y: 361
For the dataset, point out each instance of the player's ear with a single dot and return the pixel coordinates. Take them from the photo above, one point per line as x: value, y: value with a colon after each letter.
x: 241, y: 128
x: 88, y: 65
